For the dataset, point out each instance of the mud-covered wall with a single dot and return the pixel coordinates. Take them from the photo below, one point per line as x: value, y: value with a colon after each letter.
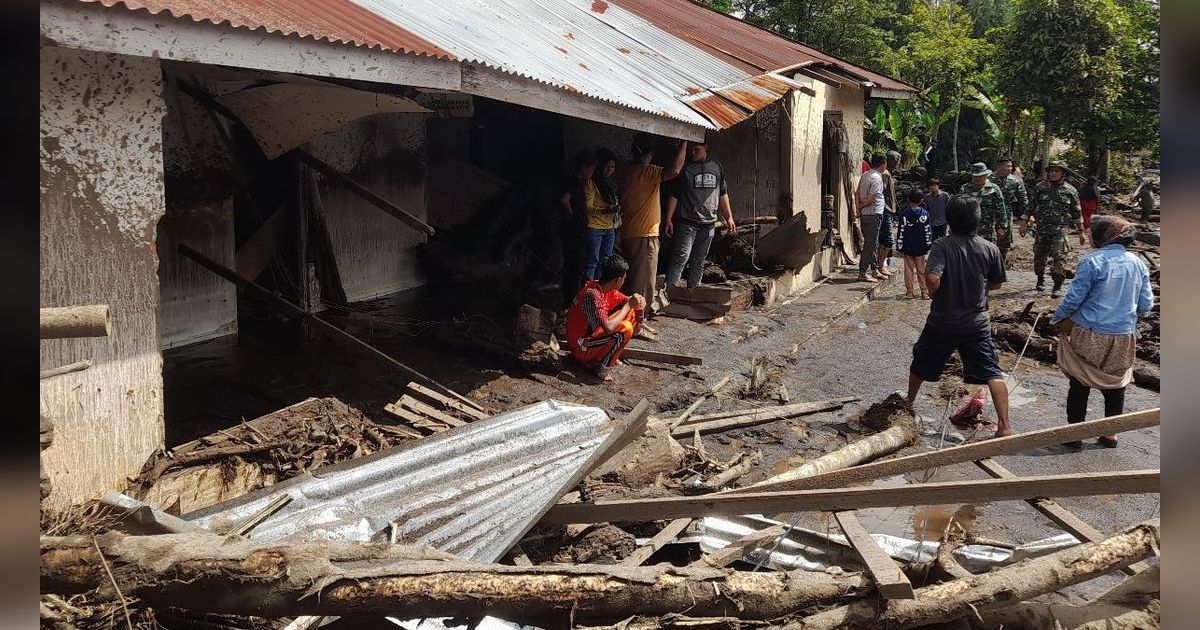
x: 101, y: 198
x: 750, y: 154
x: 376, y: 253
x: 807, y: 116
x: 195, y: 304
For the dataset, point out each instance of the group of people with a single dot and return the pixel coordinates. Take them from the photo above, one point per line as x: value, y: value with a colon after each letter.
x: 611, y: 282
x: 1096, y: 319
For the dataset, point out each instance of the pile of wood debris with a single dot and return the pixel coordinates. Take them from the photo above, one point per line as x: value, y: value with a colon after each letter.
x: 586, y: 563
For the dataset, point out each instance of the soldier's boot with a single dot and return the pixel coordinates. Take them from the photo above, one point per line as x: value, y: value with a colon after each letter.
x: 1041, y: 283
x: 1057, y: 290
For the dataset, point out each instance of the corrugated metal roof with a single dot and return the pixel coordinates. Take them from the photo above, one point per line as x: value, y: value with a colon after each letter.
x: 740, y: 43
x: 472, y: 490
x: 667, y: 57
x: 339, y: 21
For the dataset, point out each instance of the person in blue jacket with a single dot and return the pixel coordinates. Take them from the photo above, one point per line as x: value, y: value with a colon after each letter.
x: 914, y: 236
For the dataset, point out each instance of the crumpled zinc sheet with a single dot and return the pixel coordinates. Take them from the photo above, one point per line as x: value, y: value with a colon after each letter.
x: 816, y: 551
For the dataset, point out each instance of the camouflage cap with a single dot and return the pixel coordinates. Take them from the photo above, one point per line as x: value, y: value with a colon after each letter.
x: 1057, y: 164
x: 979, y: 169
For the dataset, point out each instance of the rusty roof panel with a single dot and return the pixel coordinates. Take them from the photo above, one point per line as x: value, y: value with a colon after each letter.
x: 338, y: 21
x: 740, y: 43
x: 720, y: 111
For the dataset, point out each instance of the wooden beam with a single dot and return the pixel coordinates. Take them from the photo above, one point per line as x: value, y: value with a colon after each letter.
x: 889, y: 579
x: 660, y: 357
x: 257, y: 252
x: 472, y: 410
x: 362, y: 191
x: 1061, y: 516
x: 1009, y: 445
x: 73, y: 322
x: 291, y: 310
x: 660, y: 540
x: 737, y: 549
x: 414, y: 419
x: 761, y: 416
x: 77, y: 366
x: 426, y: 410
x: 704, y: 294
x: 856, y: 498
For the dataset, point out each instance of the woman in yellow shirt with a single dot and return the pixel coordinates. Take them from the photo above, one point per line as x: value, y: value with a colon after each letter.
x: 603, y: 210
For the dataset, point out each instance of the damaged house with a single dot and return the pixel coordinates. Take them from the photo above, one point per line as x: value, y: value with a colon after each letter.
x: 314, y: 152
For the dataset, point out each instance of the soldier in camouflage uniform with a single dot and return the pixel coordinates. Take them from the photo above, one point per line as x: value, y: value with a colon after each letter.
x: 1015, y: 196
x: 1054, y: 209
x: 994, y: 220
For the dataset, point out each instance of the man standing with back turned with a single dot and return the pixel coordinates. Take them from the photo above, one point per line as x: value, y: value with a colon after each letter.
x: 694, y: 204
x: 642, y: 210
x: 962, y: 268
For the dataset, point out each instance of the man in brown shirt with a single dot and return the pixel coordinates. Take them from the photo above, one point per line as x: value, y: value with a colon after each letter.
x: 641, y: 215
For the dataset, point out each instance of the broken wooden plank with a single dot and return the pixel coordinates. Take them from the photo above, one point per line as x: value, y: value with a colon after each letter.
x: 761, y: 416
x: 889, y: 579
x: 1009, y: 445
x: 433, y: 396
x: 703, y: 294
x: 1061, y: 516
x: 856, y: 498
x: 699, y: 401
x: 258, y: 517
x: 287, y: 308
x: 519, y: 557
x: 660, y: 357
x: 73, y: 322
x: 77, y: 366
x: 737, y: 549
x: 668, y: 533
x: 414, y: 419
x: 427, y: 411
x: 362, y: 191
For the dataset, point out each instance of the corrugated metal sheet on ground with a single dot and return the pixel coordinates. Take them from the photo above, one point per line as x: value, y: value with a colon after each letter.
x: 472, y: 491
x: 329, y: 20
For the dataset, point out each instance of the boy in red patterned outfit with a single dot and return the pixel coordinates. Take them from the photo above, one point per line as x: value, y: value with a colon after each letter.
x: 602, y: 320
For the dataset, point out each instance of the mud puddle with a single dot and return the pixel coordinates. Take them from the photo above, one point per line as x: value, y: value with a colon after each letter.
x: 922, y: 523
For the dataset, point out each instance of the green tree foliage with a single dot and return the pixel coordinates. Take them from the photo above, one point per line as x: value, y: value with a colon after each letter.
x: 1062, y: 55
x: 988, y: 14
x: 854, y: 30
x: 941, y: 55
x: 724, y: 6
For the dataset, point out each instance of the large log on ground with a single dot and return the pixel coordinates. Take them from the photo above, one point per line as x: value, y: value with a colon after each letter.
x: 70, y: 322
x: 998, y: 589
x: 207, y: 573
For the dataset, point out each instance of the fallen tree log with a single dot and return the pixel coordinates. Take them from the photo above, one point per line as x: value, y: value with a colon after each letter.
x: 997, y: 589
x: 71, y: 322
x: 207, y: 573
x: 890, y: 440
x: 1131, y: 605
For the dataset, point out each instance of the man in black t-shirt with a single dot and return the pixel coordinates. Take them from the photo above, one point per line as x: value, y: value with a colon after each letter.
x: 961, y: 269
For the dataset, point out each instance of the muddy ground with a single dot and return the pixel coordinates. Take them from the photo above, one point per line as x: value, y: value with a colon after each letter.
x: 828, y: 343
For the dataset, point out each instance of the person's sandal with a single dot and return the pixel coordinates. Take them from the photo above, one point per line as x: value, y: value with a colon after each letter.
x: 1107, y: 442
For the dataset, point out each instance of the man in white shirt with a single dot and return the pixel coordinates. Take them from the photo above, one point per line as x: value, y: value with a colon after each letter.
x: 870, y: 208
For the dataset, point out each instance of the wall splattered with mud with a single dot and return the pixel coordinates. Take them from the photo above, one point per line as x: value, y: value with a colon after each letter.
x: 750, y: 154
x: 195, y: 304
x: 101, y: 198
x: 376, y: 253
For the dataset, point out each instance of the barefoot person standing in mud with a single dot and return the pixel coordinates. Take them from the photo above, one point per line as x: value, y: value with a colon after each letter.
x: 1097, y: 321
x: 962, y: 268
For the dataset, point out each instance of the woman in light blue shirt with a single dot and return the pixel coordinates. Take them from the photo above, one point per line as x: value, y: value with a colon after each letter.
x: 1097, y: 321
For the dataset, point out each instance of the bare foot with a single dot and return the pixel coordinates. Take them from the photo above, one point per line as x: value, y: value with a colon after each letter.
x: 862, y: 278
x: 647, y: 335
x: 646, y: 327
x: 1005, y: 432
x: 604, y: 373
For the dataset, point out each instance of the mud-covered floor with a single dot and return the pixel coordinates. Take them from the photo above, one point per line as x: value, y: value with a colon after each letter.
x: 831, y: 342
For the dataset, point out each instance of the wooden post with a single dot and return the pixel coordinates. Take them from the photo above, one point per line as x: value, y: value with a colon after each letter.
x: 1057, y: 513
x: 889, y: 579
x: 855, y: 498
x: 73, y: 322
x: 1009, y: 445
x: 364, y: 192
